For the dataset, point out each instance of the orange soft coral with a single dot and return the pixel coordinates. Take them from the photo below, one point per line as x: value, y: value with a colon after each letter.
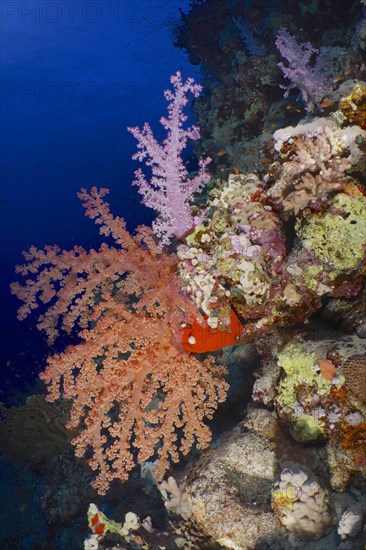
x: 130, y: 379
x: 131, y: 390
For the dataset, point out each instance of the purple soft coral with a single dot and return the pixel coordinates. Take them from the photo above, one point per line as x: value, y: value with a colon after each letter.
x: 170, y: 187
x: 311, y: 81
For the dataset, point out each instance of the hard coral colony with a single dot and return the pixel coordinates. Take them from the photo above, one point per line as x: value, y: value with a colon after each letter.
x: 142, y: 312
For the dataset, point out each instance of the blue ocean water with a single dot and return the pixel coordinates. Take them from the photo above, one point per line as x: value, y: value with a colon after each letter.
x: 74, y: 76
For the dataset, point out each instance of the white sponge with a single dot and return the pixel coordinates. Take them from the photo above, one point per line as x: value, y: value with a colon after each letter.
x: 351, y: 521
x: 300, y: 503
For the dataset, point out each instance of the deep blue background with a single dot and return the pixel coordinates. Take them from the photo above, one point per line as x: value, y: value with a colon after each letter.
x: 74, y: 75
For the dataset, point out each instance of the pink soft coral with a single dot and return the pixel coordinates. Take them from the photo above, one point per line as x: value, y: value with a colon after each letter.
x: 170, y: 187
x: 131, y: 382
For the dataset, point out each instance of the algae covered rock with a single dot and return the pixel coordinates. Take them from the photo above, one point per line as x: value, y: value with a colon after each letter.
x: 319, y: 396
x: 354, y: 106
x: 344, y: 222
x: 302, y: 391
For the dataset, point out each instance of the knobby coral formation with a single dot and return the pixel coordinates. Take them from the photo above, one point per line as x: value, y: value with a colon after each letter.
x: 237, y: 258
x: 313, y: 161
x: 300, y: 502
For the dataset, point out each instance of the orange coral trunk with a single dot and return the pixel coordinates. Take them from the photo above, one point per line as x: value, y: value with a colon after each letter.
x: 200, y: 339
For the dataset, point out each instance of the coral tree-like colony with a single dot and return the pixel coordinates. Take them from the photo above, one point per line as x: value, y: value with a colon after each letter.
x: 131, y: 381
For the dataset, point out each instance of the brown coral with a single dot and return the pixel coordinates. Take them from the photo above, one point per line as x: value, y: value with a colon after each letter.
x: 354, y: 437
x: 354, y: 106
x: 354, y: 371
x: 349, y: 312
x: 313, y: 168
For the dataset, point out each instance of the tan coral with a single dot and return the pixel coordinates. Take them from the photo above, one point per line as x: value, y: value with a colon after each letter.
x: 313, y: 161
x: 313, y: 168
x: 300, y: 502
x: 354, y: 371
x: 309, y: 188
x: 343, y: 463
x: 354, y: 106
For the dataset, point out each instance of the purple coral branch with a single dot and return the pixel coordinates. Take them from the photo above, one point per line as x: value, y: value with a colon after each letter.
x: 171, y: 187
x: 310, y: 80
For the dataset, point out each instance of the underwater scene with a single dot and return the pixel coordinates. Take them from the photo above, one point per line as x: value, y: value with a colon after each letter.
x: 183, y: 275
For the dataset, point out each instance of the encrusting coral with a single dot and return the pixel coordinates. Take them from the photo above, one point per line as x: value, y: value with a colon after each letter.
x: 235, y: 255
x: 315, y: 394
x: 301, y: 392
x: 354, y: 371
x: 345, y: 220
x: 303, y: 382
x: 354, y: 106
x: 236, y: 258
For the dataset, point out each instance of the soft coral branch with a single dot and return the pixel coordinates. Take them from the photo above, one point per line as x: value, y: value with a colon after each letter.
x: 171, y: 187
x: 131, y: 382
x: 312, y: 80
x: 114, y: 377
x: 70, y: 280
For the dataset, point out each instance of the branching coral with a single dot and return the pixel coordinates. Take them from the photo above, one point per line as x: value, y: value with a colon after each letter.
x: 170, y: 188
x: 313, y: 80
x: 136, y: 391
x: 115, y: 376
x: 131, y: 383
x: 71, y: 281
x: 315, y: 159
